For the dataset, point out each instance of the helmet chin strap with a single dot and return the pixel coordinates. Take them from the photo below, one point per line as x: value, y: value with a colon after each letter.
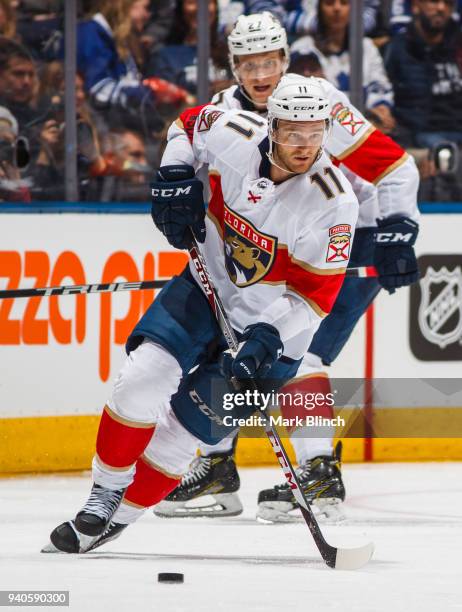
x: 269, y: 155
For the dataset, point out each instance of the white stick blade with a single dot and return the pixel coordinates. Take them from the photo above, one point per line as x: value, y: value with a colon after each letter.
x: 353, y: 558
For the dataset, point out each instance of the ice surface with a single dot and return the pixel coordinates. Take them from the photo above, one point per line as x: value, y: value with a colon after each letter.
x: 412, y: 512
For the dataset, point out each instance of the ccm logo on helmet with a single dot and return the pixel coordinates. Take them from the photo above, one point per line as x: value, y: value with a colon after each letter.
x: 393, y: 237
x: 304, y: 108
x: 170, y: 193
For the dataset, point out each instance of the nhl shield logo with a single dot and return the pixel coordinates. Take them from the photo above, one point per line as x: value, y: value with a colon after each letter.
x: 440, y: 310
x: 249, y: 254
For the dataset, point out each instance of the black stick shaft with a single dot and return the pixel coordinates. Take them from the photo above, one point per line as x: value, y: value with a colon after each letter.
x: 364, y: 272
x: 81, y: 289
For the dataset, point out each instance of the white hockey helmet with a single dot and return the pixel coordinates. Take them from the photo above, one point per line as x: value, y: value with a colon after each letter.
x: 257, y: 33
x: 298, y: 98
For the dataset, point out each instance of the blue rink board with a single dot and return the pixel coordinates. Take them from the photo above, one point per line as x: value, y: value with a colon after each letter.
x: 142, y: 208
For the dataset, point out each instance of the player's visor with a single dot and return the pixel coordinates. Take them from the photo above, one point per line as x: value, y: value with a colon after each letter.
x: 296, y: 134
x: 254, y: 69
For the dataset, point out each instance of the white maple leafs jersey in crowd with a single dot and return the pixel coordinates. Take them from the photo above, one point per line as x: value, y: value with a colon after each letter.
x: 384, y: 177
x: 277, y: 253
x: 336, y: 68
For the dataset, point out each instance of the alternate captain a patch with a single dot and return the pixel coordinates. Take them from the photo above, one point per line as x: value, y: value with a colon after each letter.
x: 207, y: 119
x: 338, y: 248
x: 249, y: 254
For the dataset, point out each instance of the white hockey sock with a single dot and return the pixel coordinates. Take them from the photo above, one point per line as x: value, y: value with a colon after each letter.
x: 111, y: 479
x: 308, y: 448
x: 224, y: 446
x: 127, y: 514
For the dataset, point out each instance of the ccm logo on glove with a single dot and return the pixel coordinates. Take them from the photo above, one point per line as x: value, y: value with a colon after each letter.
x: 386, y: 237
x: 170, y: 193
x: 394, y: 256
x: 401, y: 230
x: 178, y: 205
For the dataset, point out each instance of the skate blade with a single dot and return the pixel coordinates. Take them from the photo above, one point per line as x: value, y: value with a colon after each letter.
x: 277, y: 512
x: 327, y: 512
x: 51, y: 548
x: 223, y: 504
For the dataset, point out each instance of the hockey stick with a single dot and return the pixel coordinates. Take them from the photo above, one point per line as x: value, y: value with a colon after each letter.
x: 364, y: 272
x: 337, y: 558
x: 79, y: 289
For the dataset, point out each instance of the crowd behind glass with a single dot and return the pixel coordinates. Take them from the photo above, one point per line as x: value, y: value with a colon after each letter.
x: 137, y: 70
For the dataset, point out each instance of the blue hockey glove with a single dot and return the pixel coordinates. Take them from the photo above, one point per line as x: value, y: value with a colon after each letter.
x: 394, y: 256
x: 260, y: 348
x: 177, y: 204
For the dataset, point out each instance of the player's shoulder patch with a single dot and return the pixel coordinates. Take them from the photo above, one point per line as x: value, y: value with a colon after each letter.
x: 207, y: 119
x: 187, y: 120
x: 338, y: 249
x: 347, y: 118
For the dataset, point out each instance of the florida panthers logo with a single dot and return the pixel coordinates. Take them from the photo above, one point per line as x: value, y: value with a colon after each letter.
x: 249, y: 254
x: 338, y: 249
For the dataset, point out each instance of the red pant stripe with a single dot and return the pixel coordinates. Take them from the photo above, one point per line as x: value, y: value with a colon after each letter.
x: 118, y: 444
x: 150, y: 486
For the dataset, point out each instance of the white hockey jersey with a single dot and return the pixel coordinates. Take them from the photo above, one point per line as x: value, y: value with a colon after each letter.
x: 390, y: 177
x: 277, y: 253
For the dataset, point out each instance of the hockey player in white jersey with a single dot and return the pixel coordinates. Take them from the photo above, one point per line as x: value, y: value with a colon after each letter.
x: 258, y: 57
x: 387, y: 195
x: 266, y: 239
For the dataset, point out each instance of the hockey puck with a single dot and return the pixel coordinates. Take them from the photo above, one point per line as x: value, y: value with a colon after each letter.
x: 170, y: 577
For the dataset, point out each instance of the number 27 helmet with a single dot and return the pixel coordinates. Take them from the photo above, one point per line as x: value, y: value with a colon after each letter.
x: 258, y: 33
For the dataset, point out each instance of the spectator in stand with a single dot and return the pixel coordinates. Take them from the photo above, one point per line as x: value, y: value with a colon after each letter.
x: 301, y: 16
x: 46, y: 171
x: 151, y: 24
x: 177, y: 61
x: 425, y: 66
x: 13, y: 157
x: 124, y: 150
x: 140, y: 15
x: 40, y: 25
x: 109, y: 70
x: 401, y: 14
x: 18, y: 83
x: 331, y: 45
x: 127, y: 168
x: 168, y: 96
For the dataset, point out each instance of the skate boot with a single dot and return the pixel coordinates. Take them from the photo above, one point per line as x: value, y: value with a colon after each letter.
x: 215, y: 476
x: 322, y: 484
x: 96, y: 514
x: 65, y: 538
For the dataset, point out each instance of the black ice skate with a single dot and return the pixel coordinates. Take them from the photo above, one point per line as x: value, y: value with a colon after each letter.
x: 66, y: 539
x: 322, y: 484
x: 94, y: 517
x: 215, y: 476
